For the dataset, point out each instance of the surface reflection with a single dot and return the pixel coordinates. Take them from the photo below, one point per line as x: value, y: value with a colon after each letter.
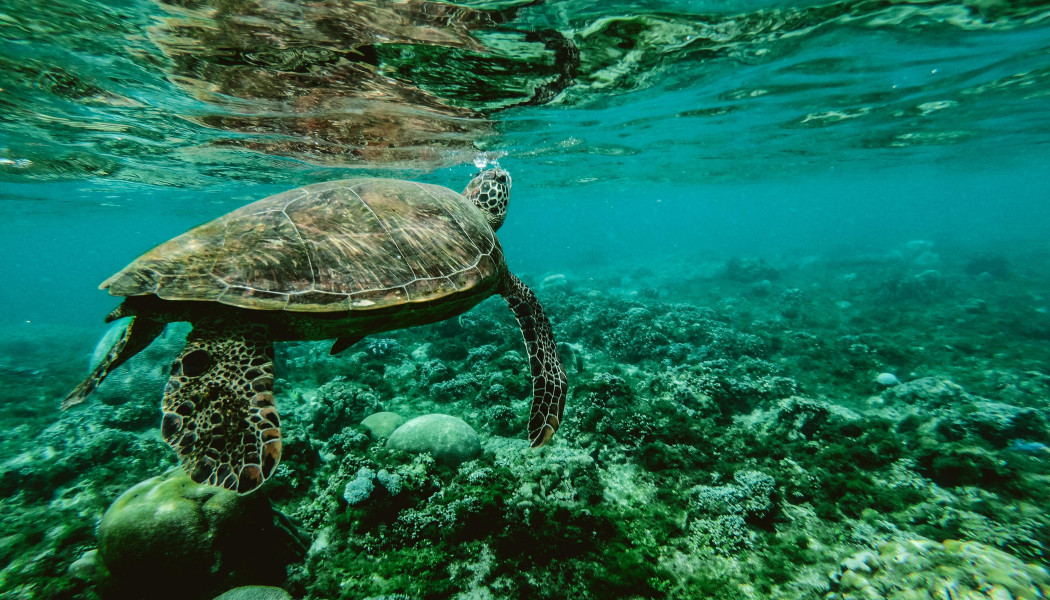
x: 308, y: 81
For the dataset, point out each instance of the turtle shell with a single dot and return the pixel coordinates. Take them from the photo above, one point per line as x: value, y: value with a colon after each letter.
x: 355, y: 244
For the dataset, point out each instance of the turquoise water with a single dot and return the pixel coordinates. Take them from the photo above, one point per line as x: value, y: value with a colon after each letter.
x: 881, y: 170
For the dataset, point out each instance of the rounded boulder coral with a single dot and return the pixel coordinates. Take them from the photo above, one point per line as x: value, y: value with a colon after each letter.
x: 169, y: 528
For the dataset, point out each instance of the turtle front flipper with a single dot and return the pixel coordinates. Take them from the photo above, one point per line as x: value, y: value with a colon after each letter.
x: 139, y: 333
x: 548, y: 377
x: 344, y: 342
x: 219, y: 411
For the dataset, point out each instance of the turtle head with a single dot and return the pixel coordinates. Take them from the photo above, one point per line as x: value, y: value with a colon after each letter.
x: 490, y: 191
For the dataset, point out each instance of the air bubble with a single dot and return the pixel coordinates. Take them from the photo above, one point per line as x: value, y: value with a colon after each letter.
x: 488, y: 159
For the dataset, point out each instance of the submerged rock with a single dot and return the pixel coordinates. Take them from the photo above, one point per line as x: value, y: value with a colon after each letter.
x: 85, y: 567
x: 554, y: 281
x: 999, y: 423
x: 169, y: 528
x: 886, y: 379
x: 382, y: 424
x: 929, y: 392
x: 448, y: 439
x: 255, y: 592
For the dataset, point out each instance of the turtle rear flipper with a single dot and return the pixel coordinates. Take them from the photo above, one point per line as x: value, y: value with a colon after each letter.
x: 219, y: 412
x: 548, y: 377
x: 139, y: 333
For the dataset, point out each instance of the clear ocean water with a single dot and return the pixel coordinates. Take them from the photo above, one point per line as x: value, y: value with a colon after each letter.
x: 859, y: 188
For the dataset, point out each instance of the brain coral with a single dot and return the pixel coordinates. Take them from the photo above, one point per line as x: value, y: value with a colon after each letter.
x: 923, y: 569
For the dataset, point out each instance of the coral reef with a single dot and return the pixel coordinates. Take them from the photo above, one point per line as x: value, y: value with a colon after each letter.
x: 725, y: 438
x: 920, y: 568
x: 169, y: 528
x: 448, y: 439
x: 382, y: 424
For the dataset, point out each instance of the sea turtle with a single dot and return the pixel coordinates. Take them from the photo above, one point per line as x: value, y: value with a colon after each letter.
x: 342, y: 259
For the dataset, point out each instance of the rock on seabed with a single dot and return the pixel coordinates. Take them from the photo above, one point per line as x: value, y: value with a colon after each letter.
x: 255, y: 592
x: 448, y: 439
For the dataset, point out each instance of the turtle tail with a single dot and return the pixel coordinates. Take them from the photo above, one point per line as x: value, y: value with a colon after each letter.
x: 139, y: 333
x: 549, y: 384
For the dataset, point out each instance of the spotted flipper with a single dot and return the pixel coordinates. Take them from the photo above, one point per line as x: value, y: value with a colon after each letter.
x: 139, y: 333
x: 548, y: 377
x: 219, y: 412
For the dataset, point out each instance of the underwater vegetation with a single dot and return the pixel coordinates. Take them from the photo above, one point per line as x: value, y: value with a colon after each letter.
x: 855, y: 426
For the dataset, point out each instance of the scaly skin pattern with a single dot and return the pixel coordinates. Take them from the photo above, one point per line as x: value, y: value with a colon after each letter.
x: 549, y: 384
x: 137, y: 335
x: 219, y: 412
